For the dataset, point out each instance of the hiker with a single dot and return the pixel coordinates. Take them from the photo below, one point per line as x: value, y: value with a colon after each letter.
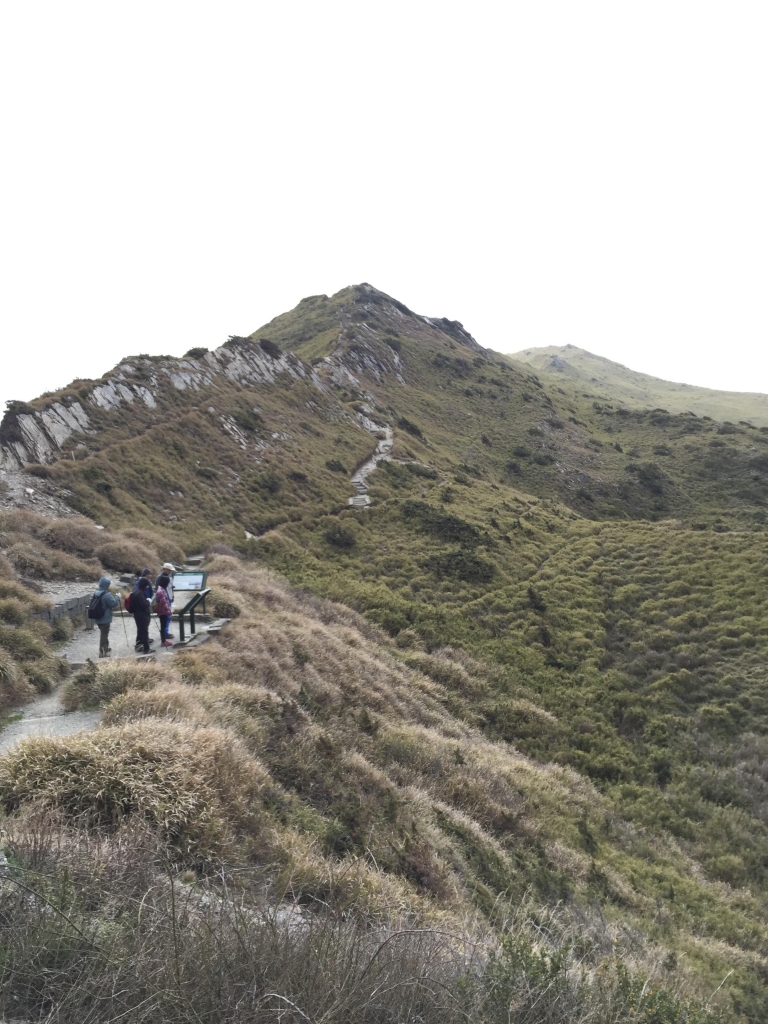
x: 162, y: 606
x: 142, y: 613
x: 168, y: 570
x: 146, y: 575
x: 100, y: 611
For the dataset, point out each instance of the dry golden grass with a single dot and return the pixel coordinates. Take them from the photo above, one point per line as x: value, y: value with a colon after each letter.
x: 304, y: 743
x: 77, y: 536
x: 198, y: 786
x: 15, y: 688
x: 97, y: 684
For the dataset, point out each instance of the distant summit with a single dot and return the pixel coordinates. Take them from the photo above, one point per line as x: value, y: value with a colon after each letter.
x: 614, y: 382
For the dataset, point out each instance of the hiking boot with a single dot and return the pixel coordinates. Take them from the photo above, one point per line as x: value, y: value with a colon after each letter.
x: 167, y: 643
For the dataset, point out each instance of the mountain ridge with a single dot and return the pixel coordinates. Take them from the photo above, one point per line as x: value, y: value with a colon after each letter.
x: 641, y: 389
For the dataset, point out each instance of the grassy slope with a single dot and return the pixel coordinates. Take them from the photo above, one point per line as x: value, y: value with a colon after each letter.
x: 613, y: 382
x: 306, y: 747
x: 606, y: 562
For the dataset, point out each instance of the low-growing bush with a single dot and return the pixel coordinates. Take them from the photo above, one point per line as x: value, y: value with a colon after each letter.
x: 269, y: 481
x: 195, y: 786
x: 340, y: 536
x: 127, y: 556
x: 224, y: 609
x: 38, y: 469
x: 23, y: 643
x: 172, y: 703
x: 167, y: 549
x: 410, y: 427
x: 62, y: 629
x: 98, y: 684
x: 13, y: 611
x: 462, y: 565
x: 45, y: 564
x: 270, y: 347
x: 14, y: 686
x: 440, y: 524
x: 75, y: 536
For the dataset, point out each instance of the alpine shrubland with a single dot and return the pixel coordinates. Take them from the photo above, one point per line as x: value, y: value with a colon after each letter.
x: 494, y: 748
x: 302, y: 759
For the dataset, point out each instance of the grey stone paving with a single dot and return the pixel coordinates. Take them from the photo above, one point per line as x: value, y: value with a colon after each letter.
x: 122, y: 639
x: 46, y: 717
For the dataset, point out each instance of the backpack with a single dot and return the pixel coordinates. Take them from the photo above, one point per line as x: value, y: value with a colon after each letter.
x: 96, y: 608
x: 127, y: 603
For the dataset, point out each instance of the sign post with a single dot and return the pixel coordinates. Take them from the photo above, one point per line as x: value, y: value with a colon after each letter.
x: 190, y: 580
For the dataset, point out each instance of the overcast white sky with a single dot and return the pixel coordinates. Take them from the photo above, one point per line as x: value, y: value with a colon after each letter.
x: 545, y: 172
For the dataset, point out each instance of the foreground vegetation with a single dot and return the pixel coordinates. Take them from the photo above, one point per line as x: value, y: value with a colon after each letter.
x: 303, y: 760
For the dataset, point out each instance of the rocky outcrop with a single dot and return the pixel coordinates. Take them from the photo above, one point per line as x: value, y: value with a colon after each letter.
x: 38, y: 436
x: 41, y: 435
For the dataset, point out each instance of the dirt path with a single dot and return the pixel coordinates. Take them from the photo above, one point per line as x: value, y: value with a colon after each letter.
x: 46, y: 717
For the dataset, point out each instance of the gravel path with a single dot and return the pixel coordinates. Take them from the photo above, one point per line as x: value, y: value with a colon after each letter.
x: 46, y: 717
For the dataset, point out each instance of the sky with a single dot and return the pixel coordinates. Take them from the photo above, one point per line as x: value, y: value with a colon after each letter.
x: 591, y: 173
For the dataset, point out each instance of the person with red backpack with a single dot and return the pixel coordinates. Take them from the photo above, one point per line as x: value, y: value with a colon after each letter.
x: 142, y: 613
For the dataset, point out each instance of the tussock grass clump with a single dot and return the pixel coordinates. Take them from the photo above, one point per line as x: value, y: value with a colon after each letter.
x: 127, y: 556
x: 15, y: 688
x: 225, y: 609
x: 12, y: 611
x: 76, y: 536
x: 198, y: 786
x: 46, y: 564
x: 98, y: 684
x: 172, y: 703
x: 164, y: 548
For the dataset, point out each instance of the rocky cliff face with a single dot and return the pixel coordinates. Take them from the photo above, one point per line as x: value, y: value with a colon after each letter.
x: 42, y: 434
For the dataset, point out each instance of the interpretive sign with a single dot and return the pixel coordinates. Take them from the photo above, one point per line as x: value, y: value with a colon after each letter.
x: 189, y: 581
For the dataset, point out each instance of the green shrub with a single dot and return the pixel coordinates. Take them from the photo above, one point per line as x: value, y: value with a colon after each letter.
x: 462, y: 565
x: 340, y: 536
x: 22, y: 643
x: 272, y: 350
x: 335, y: 466
x: 440, y: 524
x: 409, y: 426
x: 224, y: 609
x: 268, y: 481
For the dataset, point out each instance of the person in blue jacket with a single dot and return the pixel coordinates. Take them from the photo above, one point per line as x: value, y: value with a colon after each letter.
x: 108, y: 602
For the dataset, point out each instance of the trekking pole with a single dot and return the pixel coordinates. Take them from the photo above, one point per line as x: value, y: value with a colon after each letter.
x: 122, y: 618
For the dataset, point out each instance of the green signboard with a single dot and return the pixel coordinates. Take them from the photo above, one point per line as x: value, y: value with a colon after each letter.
x: 189, y: 581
